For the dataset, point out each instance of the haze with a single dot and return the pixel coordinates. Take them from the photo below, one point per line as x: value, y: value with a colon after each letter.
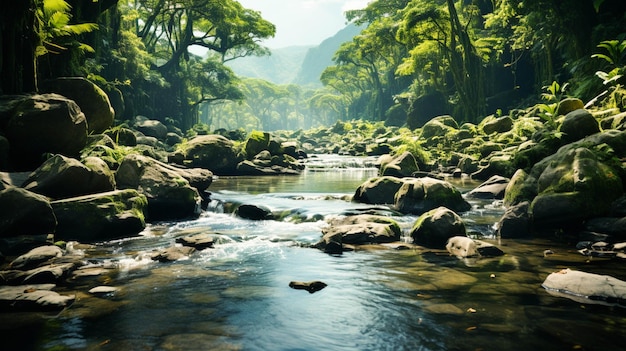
x: 303, y: 22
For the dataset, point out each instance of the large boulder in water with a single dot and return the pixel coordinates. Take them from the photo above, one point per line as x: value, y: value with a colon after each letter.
x: 578, y: 182
x: 62, y: 177
x: 403, y: 165
x: 92, y: 100
x: 378, y: 191
x: 104, y: 216
x: 358, y: 230
x: 418, y: 195
x: 169, y: 194
x: 434, y: 228
x: 213, y: 152
x: 25, y: 213
x: 40, y: 124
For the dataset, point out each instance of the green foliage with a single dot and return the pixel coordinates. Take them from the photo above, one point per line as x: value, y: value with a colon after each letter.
x: 56, y: 32
x: 553, y: 94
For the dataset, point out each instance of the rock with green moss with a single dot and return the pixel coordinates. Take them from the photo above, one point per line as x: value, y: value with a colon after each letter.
x: 568, y: 105
x: 25, y: 213
x: 419, y: 195
x: 499, y: 164
x: 403, y: 165
x: 169, y: 194
x: 99, y: 217
x: 257, y: 141
x: 40, y: 124
x: 577, y: 125
x: 91, y: 99
x: 358, y: 230
x: 61, y: 177
x: 213, y: 152
x: 575, y: 185
x: 378, y: 190
x: 434, y: 228
x: 494, y: 124
x: 439, y: 126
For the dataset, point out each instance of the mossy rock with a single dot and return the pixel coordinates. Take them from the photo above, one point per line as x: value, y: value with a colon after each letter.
x: 104, y: 216
x: 433, y: 228
x: 439, y: 126
x: 568, y: 105
x: 257, y: 141
x: 378, y: 190
x: 418, y: 195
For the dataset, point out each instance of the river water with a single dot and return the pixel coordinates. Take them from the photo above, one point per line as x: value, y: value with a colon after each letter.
x: 235, y: 296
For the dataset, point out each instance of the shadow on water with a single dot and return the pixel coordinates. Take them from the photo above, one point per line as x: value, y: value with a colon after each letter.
x: 236, y: 296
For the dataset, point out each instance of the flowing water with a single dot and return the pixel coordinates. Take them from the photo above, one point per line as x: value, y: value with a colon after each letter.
x: 235, y: 296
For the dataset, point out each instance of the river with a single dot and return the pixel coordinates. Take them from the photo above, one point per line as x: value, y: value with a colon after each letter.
x: 235, y: 296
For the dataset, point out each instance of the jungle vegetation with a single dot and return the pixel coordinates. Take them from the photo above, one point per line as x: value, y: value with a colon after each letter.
x: 480, y: 56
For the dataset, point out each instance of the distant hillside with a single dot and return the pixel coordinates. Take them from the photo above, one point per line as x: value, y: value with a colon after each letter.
x: 301, y: 65
x: 320, y: 57
x: 280, y: 68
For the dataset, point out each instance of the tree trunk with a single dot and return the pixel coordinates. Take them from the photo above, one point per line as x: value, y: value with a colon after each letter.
x: 18, y: 40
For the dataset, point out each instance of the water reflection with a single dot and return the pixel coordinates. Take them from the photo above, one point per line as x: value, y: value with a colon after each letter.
x: 236, y: 295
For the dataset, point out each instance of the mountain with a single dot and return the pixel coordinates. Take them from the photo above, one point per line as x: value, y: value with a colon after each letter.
x: 281, y: 67
x: 301, y: 65
x: 320, y: 57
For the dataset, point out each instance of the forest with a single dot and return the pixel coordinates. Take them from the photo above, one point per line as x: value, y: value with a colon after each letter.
x: 412, y: 61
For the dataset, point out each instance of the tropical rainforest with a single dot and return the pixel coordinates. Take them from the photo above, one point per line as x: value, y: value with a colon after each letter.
x: 412, y: 60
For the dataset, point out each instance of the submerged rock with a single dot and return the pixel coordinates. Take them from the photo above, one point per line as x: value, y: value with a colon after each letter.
x: 37, y: 297
x: 464, y: 247
x: 311, y: 287
x: 586, y: 287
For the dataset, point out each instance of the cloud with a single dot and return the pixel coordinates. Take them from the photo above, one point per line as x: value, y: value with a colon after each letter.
x: 354, y: 5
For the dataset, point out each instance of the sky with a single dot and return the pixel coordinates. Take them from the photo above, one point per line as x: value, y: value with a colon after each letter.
x: 303, y: 22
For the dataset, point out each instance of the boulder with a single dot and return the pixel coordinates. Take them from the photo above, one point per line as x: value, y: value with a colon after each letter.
x: 122, y: 136
x: 497, y: 125
x: 40, y: 124
x: 28, y: 298
x: 568, y: 105
x: 434, y: 228
x: 501, y: 164
x: 257, y: 142
x: 25, y: 213
x: 464, y: 247
x: 361, y: 229
x: 92, y: 100
x: 418, y: 195
x: 61, y: 177
x: 212, y: 152
x: 516, y: 222
x: 36, y: 257
x: 403, y: 165
x: 98, y: 217
x: 587, y: 288
x: 439, y: 126
x: 254, y: 212
x: 492, y: 188
x: 574, y: 184
x: 378, y: 191
x: 577, y: 125
x: 169, y: 194
x: 197, y: 241
x: 152, y: 128
x: 173, y: 253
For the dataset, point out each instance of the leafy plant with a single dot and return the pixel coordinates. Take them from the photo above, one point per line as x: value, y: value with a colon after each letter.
x: 553, y: 95
x: 615, y: 56
x: 56, y: 32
